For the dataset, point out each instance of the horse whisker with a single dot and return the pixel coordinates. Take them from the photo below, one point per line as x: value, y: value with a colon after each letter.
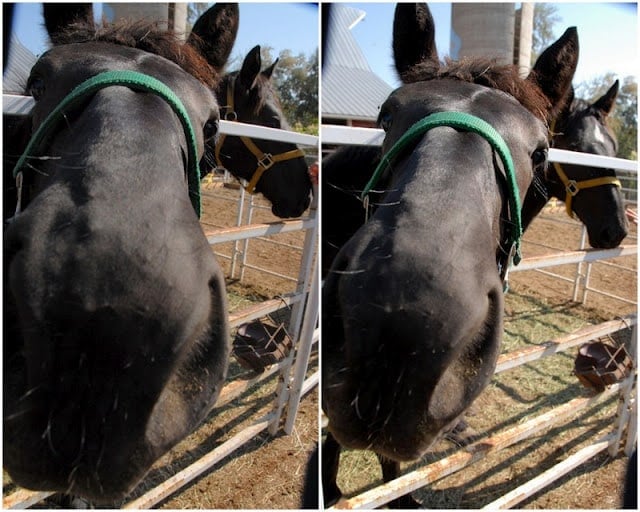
x: 348, y: 271
x: 33, y: 157
x: 42, y: 173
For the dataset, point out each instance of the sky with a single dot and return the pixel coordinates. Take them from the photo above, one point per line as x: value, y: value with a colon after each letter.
x: 608, y: 34
x: 607, y: 31
x: 292, y: 26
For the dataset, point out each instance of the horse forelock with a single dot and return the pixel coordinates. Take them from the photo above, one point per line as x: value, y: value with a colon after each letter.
x: 146, y: 36
x: 489, y: 73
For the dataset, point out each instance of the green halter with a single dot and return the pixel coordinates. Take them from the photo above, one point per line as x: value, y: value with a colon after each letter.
x: 136, y: 81
x: 470, y: 123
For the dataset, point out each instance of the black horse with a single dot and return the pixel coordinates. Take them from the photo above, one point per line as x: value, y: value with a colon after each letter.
x: 276, y: 169
x: 116, y: 339
x: 580, y: 126
x: 592, y: 194
x: 413, y: 303
x: 347, y: 170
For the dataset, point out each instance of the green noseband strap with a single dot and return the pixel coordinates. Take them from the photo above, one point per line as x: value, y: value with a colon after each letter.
x: 138, y: 82
x: 469, y: 123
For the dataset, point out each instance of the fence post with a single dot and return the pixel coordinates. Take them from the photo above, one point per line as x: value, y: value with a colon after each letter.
x: 245, y: 245
x: 235, y: 251
x: 626, y: 404
x: 303, y: 351
x: 578, y: 278
x: 304, y: 283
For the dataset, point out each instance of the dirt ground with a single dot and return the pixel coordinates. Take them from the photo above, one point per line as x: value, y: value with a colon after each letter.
x: 558, y: 233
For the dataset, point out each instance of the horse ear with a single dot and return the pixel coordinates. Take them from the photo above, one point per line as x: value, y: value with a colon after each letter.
x: 554, y: 69
x: 269, y: 71
x: 58, y: 17
x: 215, y: 32
x: 250, y: 68
x: 606, y: 102
x: 413, y: 36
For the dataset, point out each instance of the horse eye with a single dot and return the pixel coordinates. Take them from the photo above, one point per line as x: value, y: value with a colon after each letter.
x: 210, y: 129
x: 385, y: 120
x: 36, y: 88
x: 539, y: 157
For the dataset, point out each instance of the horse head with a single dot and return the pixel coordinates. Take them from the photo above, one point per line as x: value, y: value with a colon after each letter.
x: 116, y: 338
x: 275, y: 169
x: 593, y: 194
x: 413, y: 303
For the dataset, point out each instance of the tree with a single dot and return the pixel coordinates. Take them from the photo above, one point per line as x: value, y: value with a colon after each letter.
x: 296, y: 80
x: 544, y: 18
x: 624, y: 118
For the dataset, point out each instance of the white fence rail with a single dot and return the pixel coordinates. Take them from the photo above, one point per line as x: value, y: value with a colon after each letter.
x: 293, y: 383
x: 374, y: 137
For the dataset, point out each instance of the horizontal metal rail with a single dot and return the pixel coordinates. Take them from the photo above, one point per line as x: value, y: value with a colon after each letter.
x: 270, y: 272
x: 586, y: 255
x: 374, y: 137
x: 554, y: 275
x: 474, y: 452
x: 22, y: 105
x: 517, y: 358
x: 538, y: 483
x: 219, y: 236
x: 610, y: 295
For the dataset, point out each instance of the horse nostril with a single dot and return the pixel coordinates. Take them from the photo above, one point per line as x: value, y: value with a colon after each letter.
x: 610, y: 237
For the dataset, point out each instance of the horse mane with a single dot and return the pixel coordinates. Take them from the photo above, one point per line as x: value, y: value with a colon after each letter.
x: 489, y: 73
x: 146, y: 36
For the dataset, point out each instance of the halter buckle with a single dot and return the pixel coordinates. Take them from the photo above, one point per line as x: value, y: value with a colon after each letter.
x: 572, y: 187
x: 266, y: 161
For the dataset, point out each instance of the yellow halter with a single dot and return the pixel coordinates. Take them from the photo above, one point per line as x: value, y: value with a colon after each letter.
x: 572, y: 187
x: 265, y: 160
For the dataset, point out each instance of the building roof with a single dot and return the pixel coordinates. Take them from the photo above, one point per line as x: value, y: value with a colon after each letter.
x: 350, y: 90
x: 19, y: 64
x: 352, y: 93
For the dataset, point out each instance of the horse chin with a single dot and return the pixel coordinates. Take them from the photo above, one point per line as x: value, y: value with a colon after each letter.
x: 38, y: 445
x: 608, y: 236
x: 289, y: 211
x: 397, y: 394
x: 607, y: 229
